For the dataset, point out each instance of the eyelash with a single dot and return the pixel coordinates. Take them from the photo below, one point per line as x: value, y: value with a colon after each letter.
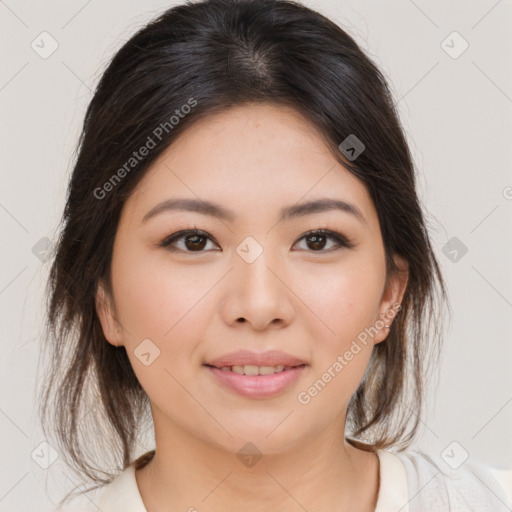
x: 341, y: 241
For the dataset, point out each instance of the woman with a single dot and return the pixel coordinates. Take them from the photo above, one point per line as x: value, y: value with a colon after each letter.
x: 244, y: 255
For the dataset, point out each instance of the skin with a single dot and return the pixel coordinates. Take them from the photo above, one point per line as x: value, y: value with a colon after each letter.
x: 302, y: 298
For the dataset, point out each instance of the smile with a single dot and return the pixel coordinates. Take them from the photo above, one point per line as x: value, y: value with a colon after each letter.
x: 253, y: 381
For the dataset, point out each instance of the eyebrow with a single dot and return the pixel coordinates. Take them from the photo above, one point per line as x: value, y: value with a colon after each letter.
x: 289, y: 212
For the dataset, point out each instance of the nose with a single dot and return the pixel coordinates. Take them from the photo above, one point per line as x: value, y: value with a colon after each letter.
x: 258, y: 293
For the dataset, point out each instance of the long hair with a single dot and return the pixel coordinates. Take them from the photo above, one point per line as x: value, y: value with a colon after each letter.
x: 209, y: 56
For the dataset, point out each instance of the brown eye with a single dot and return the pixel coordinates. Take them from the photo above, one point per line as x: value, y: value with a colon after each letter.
x: 318, y: 239
x: 193, y: 241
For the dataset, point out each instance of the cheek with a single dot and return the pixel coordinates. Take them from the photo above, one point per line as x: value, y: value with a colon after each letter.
x: 342, y: 349
x: 155, y: 299
x: 344, y: 298
x: 165, y: 306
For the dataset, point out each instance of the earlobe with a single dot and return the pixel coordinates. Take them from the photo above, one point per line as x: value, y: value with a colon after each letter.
x: 105, y: 312
x: 392, y: 298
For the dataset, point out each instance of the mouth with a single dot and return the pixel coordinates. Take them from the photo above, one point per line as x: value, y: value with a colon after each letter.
x: 250, y: 369
x: 256, y: 382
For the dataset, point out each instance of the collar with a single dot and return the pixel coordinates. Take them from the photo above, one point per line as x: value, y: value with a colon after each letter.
x: 393, y: 491
x: 123, y: 494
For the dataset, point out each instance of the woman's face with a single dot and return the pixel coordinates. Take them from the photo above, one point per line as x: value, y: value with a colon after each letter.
x: 252, y: 280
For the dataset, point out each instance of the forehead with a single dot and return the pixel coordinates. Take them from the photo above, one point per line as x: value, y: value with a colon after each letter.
x: 254, y: 159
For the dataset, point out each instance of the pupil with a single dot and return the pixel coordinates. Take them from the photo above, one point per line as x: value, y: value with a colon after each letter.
x: 195, y: 243
x: 318, y: 241
x: 315, y: 241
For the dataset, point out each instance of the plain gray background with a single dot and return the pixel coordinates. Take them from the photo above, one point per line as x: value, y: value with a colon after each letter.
x: 456, y: 110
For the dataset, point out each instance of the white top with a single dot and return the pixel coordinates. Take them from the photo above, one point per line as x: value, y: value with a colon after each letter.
x: 409, y: 482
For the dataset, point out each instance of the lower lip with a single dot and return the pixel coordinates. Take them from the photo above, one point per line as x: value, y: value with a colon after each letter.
x: 258, y: 386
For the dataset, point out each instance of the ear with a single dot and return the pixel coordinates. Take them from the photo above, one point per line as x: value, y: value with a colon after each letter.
x: 392, y: 298
x: 106, y: 313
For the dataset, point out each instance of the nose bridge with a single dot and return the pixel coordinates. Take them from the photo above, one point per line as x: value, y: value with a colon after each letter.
x: 260, y: 295
x: 254, y: 260
x: 257, y: 291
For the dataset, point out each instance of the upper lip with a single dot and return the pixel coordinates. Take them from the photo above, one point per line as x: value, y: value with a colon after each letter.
x: 246, y: 357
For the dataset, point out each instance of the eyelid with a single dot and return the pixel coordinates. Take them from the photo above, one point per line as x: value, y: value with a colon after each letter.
x: 342, y: 241
x: 182, y: 232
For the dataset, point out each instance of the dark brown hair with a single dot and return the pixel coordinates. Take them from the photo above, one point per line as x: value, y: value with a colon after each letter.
x: 213, y: 55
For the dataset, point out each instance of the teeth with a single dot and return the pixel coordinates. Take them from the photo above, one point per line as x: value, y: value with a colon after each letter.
x: 250, y: 369
x: 267, y: 370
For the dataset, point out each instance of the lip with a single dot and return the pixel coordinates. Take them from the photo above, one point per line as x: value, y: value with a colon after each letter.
x: 257, y: 386
x: 247, y: 357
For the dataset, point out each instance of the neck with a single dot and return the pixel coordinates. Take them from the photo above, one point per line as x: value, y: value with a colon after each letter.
x: 324, y: 473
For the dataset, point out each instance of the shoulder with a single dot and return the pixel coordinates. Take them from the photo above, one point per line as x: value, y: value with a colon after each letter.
x: 438, y: 483
x: 120, y: 494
